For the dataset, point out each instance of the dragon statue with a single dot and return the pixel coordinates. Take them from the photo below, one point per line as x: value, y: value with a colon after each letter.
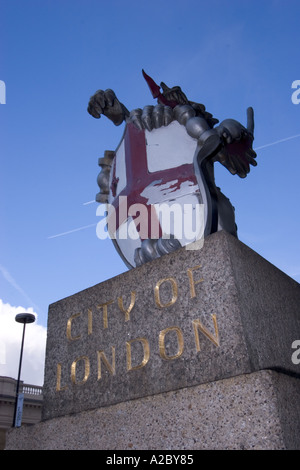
x: 192, y: 141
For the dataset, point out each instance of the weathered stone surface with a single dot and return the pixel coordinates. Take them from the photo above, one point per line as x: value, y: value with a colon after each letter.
x: 195, y: 317
x: 253, y: 411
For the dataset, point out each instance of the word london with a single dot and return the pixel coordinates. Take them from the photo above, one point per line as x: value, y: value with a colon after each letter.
x: 80, y: 369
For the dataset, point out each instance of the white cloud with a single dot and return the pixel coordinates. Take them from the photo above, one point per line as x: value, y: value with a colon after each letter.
x: 10, y: 346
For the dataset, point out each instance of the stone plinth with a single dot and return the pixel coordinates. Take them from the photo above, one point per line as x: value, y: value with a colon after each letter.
x: 205, y: 334
x: 255, y: 411
x: 185, y: 319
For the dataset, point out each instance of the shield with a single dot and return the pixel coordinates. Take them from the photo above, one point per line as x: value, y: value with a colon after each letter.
x: 153, y: 190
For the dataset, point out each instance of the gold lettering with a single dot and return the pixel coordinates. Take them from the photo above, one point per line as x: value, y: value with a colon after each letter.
x: 59, y: 388
x: 69, y: 327
x: 86, y: 370
x: 161, y: 343
x: 191, y: 279
x: 104, y: 306
x: 110, y: 367
x: 146, y: 350
x: 174, y: 292
x: 128, y: 310
x: 198, y: 325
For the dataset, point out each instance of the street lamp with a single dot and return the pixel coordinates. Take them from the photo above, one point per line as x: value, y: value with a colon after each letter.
x: 21, y: 318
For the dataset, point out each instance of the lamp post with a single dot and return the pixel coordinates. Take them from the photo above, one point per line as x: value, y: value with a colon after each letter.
x: 21, y: 318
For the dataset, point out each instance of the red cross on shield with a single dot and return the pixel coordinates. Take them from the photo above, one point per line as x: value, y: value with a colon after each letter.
x: 151, y: 171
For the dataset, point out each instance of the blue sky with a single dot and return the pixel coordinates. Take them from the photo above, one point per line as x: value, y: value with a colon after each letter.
x: 55, y: 54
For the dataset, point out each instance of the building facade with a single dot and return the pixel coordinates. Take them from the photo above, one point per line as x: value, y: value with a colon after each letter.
x: 32, y: 408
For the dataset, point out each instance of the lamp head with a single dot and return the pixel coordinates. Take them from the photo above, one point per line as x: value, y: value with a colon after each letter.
x: 25, y: 318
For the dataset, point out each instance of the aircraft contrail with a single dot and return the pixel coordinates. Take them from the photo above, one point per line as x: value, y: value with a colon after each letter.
x: 91, y: 202
x: 72, y: 231
x: 277, y: 142
x: 7, y: 276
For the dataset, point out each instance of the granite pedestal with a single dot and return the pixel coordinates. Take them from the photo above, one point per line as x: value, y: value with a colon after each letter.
x: 195, y: 350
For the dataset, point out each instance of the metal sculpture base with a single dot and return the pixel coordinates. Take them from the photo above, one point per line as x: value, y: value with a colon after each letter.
x: 191, y: 351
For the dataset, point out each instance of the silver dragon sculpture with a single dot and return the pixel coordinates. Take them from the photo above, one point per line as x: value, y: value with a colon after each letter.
x: 228, y: 142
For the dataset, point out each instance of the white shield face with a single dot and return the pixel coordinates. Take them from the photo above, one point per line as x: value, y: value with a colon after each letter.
x: 153, y: 189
